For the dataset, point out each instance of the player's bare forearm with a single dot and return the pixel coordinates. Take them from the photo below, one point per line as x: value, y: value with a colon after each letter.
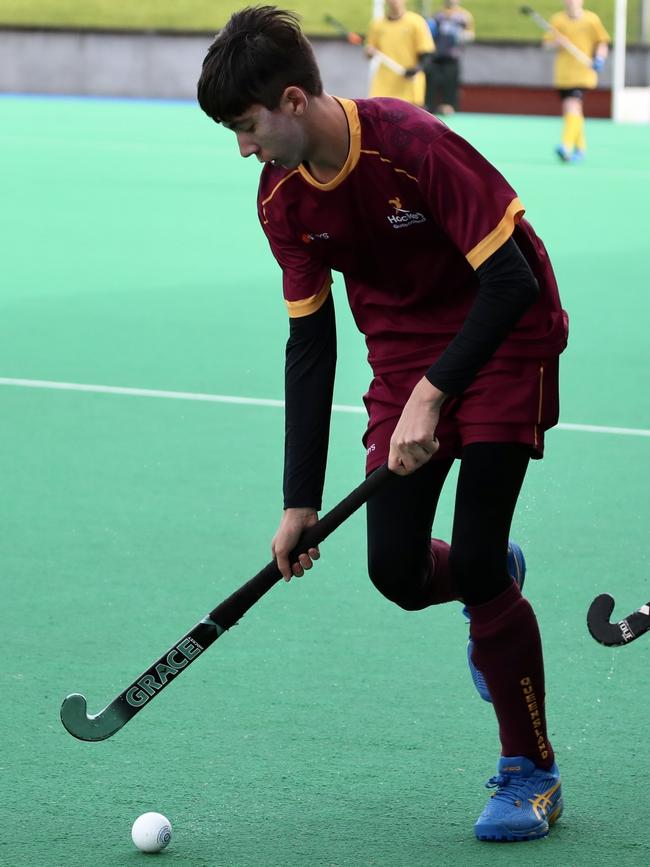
x: 293, y: 522
x: 414, y: 439
x: 602, y: 51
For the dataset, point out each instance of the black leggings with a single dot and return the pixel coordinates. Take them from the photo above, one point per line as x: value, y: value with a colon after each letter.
x: 400, y: 518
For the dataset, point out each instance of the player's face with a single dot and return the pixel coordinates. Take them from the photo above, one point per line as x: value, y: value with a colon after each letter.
x: 573, y: 7
x: 395, y: 8
x: 275, y: 136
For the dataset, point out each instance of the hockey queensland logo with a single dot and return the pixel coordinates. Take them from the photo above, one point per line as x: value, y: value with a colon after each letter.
x: 402, y: 218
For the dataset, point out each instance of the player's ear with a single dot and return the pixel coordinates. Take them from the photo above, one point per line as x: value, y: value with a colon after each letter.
x: 294, y: 100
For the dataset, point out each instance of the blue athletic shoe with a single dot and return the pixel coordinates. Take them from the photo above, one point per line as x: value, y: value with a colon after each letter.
x: 517, y: 571
x: 577, y: 156
x: 527, y: 801
x: 563, y: 153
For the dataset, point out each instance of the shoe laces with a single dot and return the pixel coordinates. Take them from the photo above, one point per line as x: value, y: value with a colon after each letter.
x: 512, y: 789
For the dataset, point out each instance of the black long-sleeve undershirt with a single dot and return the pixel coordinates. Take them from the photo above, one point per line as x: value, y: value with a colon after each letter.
x: 310, y: 366
x: 507, y: 287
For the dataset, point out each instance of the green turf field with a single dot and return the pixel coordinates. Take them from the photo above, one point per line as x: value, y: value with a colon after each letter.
x: 328, y: 728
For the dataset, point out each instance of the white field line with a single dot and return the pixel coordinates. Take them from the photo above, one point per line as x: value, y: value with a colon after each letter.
x: 255, y: 401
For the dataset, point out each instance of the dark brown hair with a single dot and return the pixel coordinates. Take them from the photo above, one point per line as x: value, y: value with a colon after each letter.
x: 259, y: 53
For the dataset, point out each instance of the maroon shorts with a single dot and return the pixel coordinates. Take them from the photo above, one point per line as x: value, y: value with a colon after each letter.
x: 512, y: 400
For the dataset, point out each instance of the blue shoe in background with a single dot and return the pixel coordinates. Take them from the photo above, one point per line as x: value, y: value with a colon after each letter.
x: 563, y: 153
x: 527, y: 801
x: 517, y: 571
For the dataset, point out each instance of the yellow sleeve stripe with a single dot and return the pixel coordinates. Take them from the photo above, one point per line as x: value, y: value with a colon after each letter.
x: 498, y: 236
x: 310, y: 305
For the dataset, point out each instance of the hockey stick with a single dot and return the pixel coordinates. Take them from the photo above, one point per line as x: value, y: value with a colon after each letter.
x: 356, y: 39
x: 616, y: 634
x: 561, y: 39
x: 99, y: 726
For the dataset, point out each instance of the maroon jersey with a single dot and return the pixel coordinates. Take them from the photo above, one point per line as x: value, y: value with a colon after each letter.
x: 412, y: 214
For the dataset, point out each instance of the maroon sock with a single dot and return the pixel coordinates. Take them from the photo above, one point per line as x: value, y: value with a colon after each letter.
x: 508, y: 651
x: 442, y: 586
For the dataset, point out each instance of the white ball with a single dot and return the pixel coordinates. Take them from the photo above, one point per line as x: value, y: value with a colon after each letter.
x: 151, y: 832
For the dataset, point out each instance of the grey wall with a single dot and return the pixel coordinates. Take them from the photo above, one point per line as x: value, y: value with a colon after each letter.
x: 160, y: 65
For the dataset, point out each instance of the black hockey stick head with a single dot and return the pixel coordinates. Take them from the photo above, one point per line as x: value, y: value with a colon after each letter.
x: 616, y: 634
x: 352, y: 37
x: 536, y: 17
x: 336, y: 24
x: 96, y: 727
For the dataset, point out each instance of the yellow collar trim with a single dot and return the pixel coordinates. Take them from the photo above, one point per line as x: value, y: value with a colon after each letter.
x: 354, y: 127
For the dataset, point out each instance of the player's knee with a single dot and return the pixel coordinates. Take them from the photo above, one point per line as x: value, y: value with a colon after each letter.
x: 398, y: 595
x: 395, y: 582
x: 475, y: 570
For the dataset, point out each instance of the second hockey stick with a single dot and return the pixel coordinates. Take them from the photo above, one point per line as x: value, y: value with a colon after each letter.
x: 356, y: 39
x: 561, y: 39
x: 616, y: 634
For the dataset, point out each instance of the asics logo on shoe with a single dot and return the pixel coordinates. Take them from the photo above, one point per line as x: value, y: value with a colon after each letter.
x: 542, y: 803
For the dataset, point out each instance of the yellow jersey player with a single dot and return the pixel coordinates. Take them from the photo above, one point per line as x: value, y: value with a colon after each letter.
x: 575, y: 32
x: 404, y: 37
